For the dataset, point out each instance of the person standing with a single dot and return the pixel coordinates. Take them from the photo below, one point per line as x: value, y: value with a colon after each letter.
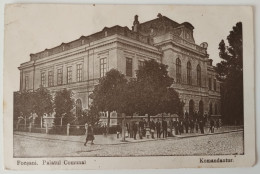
x: 90, y: 135
x: 145, y: 126
x: 201, y: 125
x: 196, y: 126
x: 141, y: 128
x: 191, y: 126
x: 152, y: 128
x: 171, y: 127
x: 186, y: 125
x: 196, y: 115
x: 217, y: 124
x: 135, y: 129
x: 164, y: 128
x: 158, y: 128
x: 180, y: 127
x: 211, y: 126
x: 175, y: 126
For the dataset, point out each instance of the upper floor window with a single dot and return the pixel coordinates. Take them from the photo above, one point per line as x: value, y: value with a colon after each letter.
x: 43, y: 79
x: 215, y: 85
x: 178, y: 70
x: 50, y: 78
x: 79, y: 72
x: 198, y: 75
x: 59, y: 76
x: 26, y: 82
x: 189, y: 73
x: 103, y: 67
x: 140, y: 64
x: 129, y: 67
x: 210, y: 84
x: 69, y: 74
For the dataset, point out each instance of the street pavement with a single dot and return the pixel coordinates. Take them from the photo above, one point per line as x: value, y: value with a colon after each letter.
x: 228, y: 140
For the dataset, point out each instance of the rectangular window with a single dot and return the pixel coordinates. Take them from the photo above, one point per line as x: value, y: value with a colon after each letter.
x: 43, y: 79
x: 69, y: 74
x: 26, y: 82
x: 50, y: 78
x: 215, y: 84
x: 129, y: 67
x: 103, y: 67
x: 79, y: 72
x: 59, y: 77
x: 140, y: 64
x: 210, y: 84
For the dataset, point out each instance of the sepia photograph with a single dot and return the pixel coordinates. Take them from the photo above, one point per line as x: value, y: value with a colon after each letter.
x: 128, y: 81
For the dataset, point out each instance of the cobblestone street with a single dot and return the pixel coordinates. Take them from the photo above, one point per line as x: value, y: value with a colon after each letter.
x: 217, y: 144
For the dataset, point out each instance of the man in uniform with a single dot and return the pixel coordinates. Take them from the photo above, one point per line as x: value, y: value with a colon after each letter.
x: 158, y: 128
x: 164, y: 128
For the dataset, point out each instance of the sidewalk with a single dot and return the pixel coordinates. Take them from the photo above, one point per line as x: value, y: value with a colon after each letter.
x: 225, y: 129
x: 113, y: 140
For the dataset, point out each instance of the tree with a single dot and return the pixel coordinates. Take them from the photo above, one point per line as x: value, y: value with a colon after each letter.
x: 109, y: 94
x: 153, y: 89
x: 64, y: 103
x: 44, y: 103
x: 149, y: 93
x: 230, y: 73
x: 91, y: 116
x: 27, y: 102
x: 24, y: 102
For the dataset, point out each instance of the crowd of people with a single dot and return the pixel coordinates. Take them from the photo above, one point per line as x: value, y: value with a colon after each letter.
x: 195, y: 123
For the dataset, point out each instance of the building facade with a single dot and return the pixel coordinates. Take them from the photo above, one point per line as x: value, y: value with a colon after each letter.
x: 79, y: 64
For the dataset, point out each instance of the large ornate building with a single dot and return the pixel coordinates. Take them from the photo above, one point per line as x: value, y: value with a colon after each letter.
x: 79, y: 64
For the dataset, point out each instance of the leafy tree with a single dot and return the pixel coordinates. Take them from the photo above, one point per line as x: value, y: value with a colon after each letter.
x: 230, y: 73
x: 44, y: 103
x: 149, y: 93
x: 64, y: 103
x: 91, y: 116
x: 154, y: 92
x: 24, y: 102
x: 27, y: 102
x: 171, y: 102
x: 109, y: 94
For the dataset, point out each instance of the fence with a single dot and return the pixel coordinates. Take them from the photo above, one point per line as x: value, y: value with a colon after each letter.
x: 62, y: 130
x: 123, y: 124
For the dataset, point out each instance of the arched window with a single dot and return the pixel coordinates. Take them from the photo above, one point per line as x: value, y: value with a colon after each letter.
x: 178, y: 70
x: 191, y: 107
x: 189, y: 73
x: 216, y: 109
x: 198, y: 75
x: 210, y: 109
x: 78, y: 107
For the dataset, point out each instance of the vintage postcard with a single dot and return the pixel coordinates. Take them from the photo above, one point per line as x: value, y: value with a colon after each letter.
x: 128, y: 86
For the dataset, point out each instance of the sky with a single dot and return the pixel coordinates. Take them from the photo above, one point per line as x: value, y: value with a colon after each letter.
x: 32, y: 28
